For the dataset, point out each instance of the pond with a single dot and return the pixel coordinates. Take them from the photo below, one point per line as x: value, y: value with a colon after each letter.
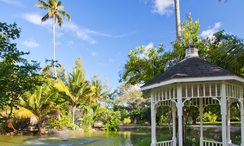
x: 97, y: 138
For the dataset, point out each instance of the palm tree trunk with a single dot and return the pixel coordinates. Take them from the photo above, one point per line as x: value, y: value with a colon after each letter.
x: 39, y: 125
x: 54, y: 22
x: 177, y: 20
x: 73, y: 115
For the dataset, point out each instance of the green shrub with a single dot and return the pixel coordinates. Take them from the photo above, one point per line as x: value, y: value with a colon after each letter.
x: 126, y: 121
x: 110, y: 118
x: 86, y: 121
x: 65, y: 121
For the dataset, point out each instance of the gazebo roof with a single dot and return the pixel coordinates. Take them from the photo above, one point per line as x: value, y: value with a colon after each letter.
x: 191, y: 67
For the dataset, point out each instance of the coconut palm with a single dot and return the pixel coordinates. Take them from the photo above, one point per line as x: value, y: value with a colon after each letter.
x: 37, y: 105
x: 101, y: 91
x: 177, y: 21
x: 54, y: 10
x: 77, y: 89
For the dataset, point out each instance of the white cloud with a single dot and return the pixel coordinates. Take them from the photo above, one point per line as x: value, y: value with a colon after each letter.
x: 30, y: 43
x: 79, y: 32
x: 94, y: 53
x: 103, y: 64
x: 163, y: 7
x: 36, y: 19
x: 59, y: 34
x: 13, y: 2
x: 57, y: 43
x: 71, y: 42
x: 111, y: 60
x: 117, y: 54
x: 211, y: 31
x: 150, y: 45
x: 85, y: 33
x: 68, y: 27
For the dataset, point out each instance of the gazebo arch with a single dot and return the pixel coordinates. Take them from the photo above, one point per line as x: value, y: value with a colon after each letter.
x: 201, y: 82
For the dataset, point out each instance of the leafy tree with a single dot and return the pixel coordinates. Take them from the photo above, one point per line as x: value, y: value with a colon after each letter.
x: 47, y: 70
x: 130, y: 95
x: 143, y: 65
x: 17, y: 75
x: 38, y: 105
x: 61, y: 72
x: 110, y: 118
x: 54, y: 10
x: 225, y: 50
x: 79, y: 64
x: 124, y: 114
x: 77, y: 89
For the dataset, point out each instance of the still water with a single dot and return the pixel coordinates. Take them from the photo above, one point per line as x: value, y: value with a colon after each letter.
x: 100, y: 138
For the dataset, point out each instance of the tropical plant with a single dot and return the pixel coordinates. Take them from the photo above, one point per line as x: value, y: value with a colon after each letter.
x: 101, y: 90
x: 77, y: 89
x: 54, y: 10
x: 126, y: 121
x: 38, y: 105
x: 65, y: 121
x: 17, y: 74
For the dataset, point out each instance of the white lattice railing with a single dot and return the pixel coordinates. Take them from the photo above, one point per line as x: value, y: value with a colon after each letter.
x: 215, y: 143
x: 165, y: 143
x: 211, y: 143
x: 231, y: 144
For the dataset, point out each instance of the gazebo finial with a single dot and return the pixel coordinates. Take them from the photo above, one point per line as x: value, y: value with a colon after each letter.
x: 191, y: 50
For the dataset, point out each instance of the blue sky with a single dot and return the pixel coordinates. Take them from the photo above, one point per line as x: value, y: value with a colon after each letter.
x: 103, y: 32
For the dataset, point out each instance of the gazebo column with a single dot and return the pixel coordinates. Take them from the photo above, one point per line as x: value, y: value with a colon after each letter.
x: 179, y: 107
x: 153, y: 119
x: 223, y: 113
x: 174, y: 112
x: 228, y: 122
x: 201, y: 115
x: 242, y: 118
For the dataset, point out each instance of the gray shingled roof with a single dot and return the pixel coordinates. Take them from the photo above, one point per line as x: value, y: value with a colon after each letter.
x: 191, y: 67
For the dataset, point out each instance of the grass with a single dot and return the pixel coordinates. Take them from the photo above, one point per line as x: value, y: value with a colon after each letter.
x: 220, y: 123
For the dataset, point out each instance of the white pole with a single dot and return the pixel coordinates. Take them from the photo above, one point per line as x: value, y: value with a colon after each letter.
x: 223, y: 113
x: 173, y: 138
x: 153, y: 132
x: 201, y: 127
x: 179, y: 107
x: 242, y: 117
x: 228, y: 122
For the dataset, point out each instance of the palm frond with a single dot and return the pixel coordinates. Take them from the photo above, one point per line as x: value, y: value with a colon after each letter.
x: 60, y: 8
x: 59, y: 3
x: 60, y: 20
x: 65, y: 14
x: 42, y: 4
x: 45, y: 17
x: 23, y: 113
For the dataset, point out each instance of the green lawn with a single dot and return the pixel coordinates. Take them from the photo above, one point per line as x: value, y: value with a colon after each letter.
x: 219, y: 123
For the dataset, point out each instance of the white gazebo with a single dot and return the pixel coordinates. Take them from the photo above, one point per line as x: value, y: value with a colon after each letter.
x: 195, y: 82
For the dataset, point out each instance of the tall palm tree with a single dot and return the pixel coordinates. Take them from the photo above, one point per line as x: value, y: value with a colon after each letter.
x: 54, y: 10
x: 77, y: 89
x: 101, y: 91
x: 177, y: 21
x: 38, y: 105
